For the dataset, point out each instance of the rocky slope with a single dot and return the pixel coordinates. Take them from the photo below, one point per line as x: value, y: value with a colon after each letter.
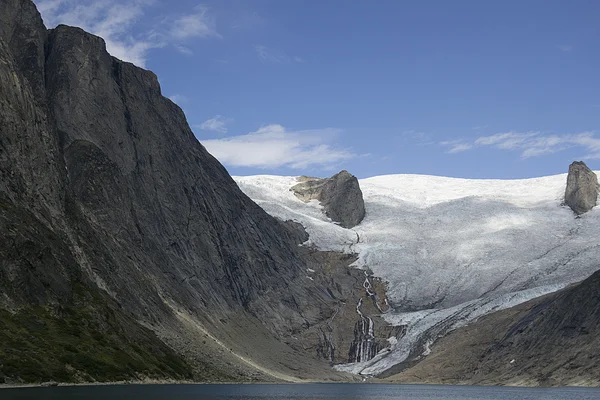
x: 104, y: 186
x: 550, y: 341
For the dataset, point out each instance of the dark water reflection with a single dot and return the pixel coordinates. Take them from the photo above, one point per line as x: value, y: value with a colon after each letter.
x: 300, y: 392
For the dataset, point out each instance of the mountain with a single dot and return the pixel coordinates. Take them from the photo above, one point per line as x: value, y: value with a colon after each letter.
x: 450, y: 251
x: 127, y: 251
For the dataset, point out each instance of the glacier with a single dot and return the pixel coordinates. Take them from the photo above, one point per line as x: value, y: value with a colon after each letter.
x: 450, y: 249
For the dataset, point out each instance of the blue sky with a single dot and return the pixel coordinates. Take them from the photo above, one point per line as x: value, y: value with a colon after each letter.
x: 477, y: 89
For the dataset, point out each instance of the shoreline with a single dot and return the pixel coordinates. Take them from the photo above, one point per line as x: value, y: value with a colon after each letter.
x: 170, y: 382
x: 118, y: 383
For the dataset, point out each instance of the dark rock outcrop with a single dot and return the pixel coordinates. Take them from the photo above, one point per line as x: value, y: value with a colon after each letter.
x: 339, y: 195
x: 103, y: 184
x: 296, y: 231
x: 582, y: 188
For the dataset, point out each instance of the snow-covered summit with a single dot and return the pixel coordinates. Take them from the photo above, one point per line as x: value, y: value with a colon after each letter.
x: 444, y: 242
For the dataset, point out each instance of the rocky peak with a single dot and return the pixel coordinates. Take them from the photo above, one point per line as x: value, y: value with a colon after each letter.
x: 582, y: 188
x: 24, y: 34
x: 340, y: 196
x: 104, y: 186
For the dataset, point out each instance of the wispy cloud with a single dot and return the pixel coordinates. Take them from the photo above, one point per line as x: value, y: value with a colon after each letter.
x: 532, y: 144
x: 198, y: 24
x: 184, y: 50
x: 269, y: 56
x: 108, y: 19
x: 456, y: 146
x: 273, y: 146
x: 565, y: 47
x: 215, y: 124
x: 116, y: 21
x: 459, y: 147
x: 507, y: 141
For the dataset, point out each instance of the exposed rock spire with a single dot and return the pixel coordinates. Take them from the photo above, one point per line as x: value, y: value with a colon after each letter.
x: 582, y: 188
x: 339, y: 195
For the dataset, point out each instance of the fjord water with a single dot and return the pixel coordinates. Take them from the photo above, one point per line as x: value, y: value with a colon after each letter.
x: 299, y: 391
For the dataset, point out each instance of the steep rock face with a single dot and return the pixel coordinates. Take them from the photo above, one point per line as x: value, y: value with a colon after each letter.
x: 103, y: 183
x: 556, y: 342
x: 549, y: 341
x: 582, y: 188
x: 355, y: 331
x: 138, y: 176
x: 339, y: 195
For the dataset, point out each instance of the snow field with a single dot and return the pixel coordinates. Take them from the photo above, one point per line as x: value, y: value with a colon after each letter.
x: 450, y: 249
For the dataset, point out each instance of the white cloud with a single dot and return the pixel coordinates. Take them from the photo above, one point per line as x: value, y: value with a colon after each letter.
x: 269, y: 56
x: 273, y: 146
x: 565, y: 47
x: 456, y: 146
x: 184, y: 50
x: 589, y: 142
x: 506, y: 141
x: 532, y: 144
x: 199, y: 24
x: 459, y: 147
x: 109, y: 19
x: 215, y: 124
x: 115, y: 20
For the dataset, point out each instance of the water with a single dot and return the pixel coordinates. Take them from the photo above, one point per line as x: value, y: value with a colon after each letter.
x: 300, y: 392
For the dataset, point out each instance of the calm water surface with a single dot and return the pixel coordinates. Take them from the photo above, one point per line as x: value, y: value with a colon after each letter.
x: 304, y: 392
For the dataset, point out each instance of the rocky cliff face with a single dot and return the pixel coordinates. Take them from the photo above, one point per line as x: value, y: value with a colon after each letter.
x: 582, y: 188
x: 549, y: 341
x: 340, y: 196
x: 103, y: 184
x: 555, y: 342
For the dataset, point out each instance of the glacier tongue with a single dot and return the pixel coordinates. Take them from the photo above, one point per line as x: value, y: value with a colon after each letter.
x: 425, y: 326
x: 449, y: 248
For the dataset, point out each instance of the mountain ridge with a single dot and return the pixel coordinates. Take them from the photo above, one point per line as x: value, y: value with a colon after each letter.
x: 104, y: 185
x: 129, y: 253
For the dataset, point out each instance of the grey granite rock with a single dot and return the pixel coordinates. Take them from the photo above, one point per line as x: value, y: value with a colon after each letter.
x: 581, y: 193
x: 103, y: 183
x: 339, y: 195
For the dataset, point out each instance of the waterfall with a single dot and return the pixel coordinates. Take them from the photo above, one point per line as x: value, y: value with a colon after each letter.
x: 363, y: 347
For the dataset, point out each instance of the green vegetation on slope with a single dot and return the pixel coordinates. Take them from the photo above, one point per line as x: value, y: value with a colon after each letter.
x: 84, y: 340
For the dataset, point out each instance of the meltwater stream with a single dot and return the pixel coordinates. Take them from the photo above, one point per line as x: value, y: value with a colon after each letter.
x: 364, y: 346
x: 298, y: 391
